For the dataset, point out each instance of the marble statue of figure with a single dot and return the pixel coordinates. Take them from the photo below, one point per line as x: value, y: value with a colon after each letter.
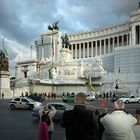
x: 98, y: 64
x: 94, y: 69
x: 53, y: 73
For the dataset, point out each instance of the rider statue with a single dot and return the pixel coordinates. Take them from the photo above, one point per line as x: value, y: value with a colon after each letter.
x: 65, y: 41
x: 4, y: 64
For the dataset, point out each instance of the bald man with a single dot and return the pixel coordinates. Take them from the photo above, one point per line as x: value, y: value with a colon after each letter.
x: 80, y: 123
x: 118, y: 124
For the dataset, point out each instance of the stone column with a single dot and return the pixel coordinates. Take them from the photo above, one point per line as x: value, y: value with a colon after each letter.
x: 72, y: 50
x: 75, y: 51
x: 100, y: 53
x: 130, y: 38
x: 91, y: 48
x: 133, y: 35
x: 104, y: 47
x: 87, y: 49
x: 122, y: 40
x: 108, y: 45
x: 96, y: 48
x: 83, y: 50
x: 113, y: 47
x: 127, y: 42
x: 79, y: 50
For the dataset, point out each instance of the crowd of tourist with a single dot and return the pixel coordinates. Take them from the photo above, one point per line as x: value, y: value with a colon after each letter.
x: 84, y: 124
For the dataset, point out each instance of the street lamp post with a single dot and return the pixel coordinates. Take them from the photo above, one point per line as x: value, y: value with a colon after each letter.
x: 30, y: 86
x: 116, y: 87
x: 13, y: 88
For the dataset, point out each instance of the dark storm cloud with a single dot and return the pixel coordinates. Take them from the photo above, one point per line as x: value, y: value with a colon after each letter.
x: 22, y: 20
x: 96, y: 14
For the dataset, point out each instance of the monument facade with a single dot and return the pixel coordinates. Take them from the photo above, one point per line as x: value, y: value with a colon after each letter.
x: 108, y: 56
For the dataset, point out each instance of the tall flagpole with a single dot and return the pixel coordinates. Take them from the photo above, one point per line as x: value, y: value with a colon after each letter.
x: 52, y: 28
x: 52, y: 47
x: 31, y: 51
x: 4, y: 49
x: 3, y: 42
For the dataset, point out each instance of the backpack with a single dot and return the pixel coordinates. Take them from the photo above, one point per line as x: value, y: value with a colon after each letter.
x: 47, y: 118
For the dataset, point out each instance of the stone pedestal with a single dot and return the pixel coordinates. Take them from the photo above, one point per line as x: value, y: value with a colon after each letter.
x: 5, y: 84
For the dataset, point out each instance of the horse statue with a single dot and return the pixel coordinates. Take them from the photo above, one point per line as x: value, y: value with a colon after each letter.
x: 4, y: 64
x: 65, y: 41
x: 54, y: 26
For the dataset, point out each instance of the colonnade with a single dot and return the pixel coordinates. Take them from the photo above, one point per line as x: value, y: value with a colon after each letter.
x: 98, y: 47
x: 95, y: 46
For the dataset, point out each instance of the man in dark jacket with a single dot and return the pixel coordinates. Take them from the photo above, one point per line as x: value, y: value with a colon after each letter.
x: 80, y: 123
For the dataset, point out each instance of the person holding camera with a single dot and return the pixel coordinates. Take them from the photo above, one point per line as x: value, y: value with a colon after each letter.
x: 43, y: 128
x: 51, y: 112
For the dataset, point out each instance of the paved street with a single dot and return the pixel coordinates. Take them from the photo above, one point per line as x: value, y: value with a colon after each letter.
x: 19, y: 124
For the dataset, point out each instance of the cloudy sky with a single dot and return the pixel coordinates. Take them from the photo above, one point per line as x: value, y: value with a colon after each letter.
x: 22, y: 21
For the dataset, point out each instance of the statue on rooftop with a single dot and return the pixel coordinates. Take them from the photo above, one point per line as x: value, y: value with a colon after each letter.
x: 54, y: 26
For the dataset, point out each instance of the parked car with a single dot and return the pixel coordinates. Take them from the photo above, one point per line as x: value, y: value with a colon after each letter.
x: 115, y: 98
x: 130, y: 99
x: 68, y: 99
x: 60, y: 107
x: 23, y: 103
x: 90, y: 97
x: 36, y: 96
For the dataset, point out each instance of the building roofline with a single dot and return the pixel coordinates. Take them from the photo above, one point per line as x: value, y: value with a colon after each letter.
x: 100, y: 29
x: 27, y: 61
